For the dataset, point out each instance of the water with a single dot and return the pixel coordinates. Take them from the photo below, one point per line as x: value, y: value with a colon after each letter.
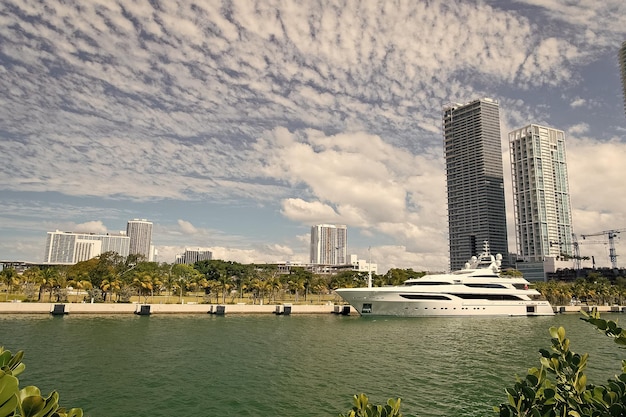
x: 304, y: 365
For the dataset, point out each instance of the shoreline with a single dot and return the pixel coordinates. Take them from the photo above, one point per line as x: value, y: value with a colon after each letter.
x: 220, y: 309
x: 148, y: 309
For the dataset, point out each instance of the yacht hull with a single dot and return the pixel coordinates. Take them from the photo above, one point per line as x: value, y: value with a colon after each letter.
x: 369, y: 303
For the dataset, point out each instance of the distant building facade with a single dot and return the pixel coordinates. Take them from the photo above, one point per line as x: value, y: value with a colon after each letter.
x: 543, y: 215
x: 622, y: 66
x: 474, y: 179
x: 191, y: 256
x: 361, y: 265
x: 70, y: 248
x: 329, y: 244
x: 140, y: 234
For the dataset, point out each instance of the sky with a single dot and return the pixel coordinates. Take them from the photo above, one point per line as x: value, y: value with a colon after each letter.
x: 237, y: 125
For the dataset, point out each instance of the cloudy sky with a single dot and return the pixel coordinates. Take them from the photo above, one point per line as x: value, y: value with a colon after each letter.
x: 237, y: 125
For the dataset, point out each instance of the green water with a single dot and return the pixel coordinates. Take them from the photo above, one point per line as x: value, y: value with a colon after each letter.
x: 299, y: 365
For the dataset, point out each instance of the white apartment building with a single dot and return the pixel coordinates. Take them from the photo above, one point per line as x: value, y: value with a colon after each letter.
x: 70, y: 248
x: 329, y: 244
x: 140, y: 233
x: 622, y: 66
x: 361, y: 265
x: 191, y: 256
x: 543, y: 216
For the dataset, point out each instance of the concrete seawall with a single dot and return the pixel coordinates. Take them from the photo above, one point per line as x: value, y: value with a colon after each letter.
x: 134, y: 308
x: 119, y: 308
x: 601, y: 309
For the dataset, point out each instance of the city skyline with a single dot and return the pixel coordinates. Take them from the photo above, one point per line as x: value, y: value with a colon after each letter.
x: 237, y: 127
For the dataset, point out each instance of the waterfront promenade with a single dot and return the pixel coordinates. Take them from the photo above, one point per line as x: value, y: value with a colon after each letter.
x: 220, y: 309
x: 132, y: 308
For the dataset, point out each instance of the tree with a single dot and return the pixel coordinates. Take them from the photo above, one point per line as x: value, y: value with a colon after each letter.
x: 396, y: 276
x: 182, y: 276
x: 9, y: 279
x: 511, y: 273
x: 49, y: 279
x: 31, y: 279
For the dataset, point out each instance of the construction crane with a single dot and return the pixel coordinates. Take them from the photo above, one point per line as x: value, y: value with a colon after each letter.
x: 577, y: 255
x: 611, y: 234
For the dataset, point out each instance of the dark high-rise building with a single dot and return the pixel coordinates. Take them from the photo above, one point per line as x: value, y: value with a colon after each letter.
x: 475, y: 180
x: 622, y: 66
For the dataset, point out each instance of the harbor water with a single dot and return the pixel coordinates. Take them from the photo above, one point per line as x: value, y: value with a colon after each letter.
x: 304, y: 365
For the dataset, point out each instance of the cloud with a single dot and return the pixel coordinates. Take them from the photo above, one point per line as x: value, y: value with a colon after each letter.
x: 326, y: 112
x: 187, y: 228
x: 91, y: 227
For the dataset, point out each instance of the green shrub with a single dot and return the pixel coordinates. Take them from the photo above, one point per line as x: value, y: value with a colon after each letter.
x: 28, y: 401
x: 560, y: 388
x: 363, y: 408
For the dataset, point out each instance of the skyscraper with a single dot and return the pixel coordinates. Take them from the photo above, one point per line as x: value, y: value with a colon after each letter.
x: 543, y: 216
x: 140, y: 234
x: 475, y: 180
x: 622, y: 66
x: 329, y: 244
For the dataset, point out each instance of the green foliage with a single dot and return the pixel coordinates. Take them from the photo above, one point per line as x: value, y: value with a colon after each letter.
x: 363, y: 408
x: 560, y: 388
x: 511, y: 273
x: 28, y: 401
x: 608, y: 327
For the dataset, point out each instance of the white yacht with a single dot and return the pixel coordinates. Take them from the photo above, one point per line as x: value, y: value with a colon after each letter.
x: 476, y: 290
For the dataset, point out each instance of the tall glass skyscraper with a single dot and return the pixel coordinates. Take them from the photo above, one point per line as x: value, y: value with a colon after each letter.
x: 475, y: 180
x: 543, y: 216
x: 622, y: 66
x: 329, y: 244
x: 140, y: 234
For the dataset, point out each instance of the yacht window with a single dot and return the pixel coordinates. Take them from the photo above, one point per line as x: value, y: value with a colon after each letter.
x: 495, y: 297
x: 414, y: 283
x: 425, y: 297
x: 487, y: 285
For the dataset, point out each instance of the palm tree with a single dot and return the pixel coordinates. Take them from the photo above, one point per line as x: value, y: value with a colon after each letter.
x: 33, y: 277
x: 9, y: 279
x: 295, y: 285
x: 144, y: 284
x: 256, y: 285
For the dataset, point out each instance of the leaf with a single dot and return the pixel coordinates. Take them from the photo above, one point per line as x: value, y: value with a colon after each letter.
x: 554, y: 332
x: 32, y: 405
x: 5, y: 357
x: 561, y: 333
x: 9, y: 388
